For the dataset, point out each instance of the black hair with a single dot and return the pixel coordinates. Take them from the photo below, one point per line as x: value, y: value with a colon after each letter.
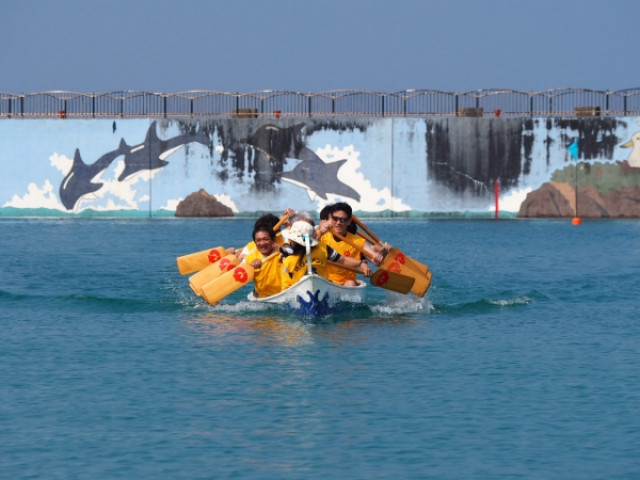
x: 325, y: 212
x: 269, y: 219
x: 263, y: 227
x: 342, y: 207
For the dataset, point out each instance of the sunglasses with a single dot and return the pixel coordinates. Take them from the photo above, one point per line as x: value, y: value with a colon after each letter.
x: 340, y: 219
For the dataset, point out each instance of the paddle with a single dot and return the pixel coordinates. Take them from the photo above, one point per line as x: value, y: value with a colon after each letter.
x: 419, y: 285
x: 230, y: 281
x: 194, y: 262
x: 213, y: 271
x: 385, y: 279
x: 394, y: 252
x: 395, y: 261
x: 207, y: 274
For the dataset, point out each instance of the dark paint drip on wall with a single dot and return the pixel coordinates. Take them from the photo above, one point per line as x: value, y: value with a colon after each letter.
x: 467, y: 154
x: 272, y: 153
x: 596, y: 136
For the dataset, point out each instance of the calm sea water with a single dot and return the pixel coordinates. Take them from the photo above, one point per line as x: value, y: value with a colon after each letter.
x: 523, y: 360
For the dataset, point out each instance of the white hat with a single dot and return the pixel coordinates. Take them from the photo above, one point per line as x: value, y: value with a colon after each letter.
x: 298, y: 231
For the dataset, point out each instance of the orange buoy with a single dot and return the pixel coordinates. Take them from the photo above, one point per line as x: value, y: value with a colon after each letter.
x: 576, y: 221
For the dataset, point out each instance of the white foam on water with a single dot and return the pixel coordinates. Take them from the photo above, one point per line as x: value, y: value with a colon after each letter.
x: 242, y: 307
x: 521, y: 300
x: 396, y: 303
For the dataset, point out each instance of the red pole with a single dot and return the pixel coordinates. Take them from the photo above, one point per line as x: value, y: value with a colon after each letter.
x: 496, y: 191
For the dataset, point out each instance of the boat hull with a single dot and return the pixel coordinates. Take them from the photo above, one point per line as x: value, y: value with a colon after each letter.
x: 315, y: 296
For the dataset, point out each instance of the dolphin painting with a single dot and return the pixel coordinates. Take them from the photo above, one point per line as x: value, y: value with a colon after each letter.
x: 79, y: 180
x: 148, y: 155
x: 273, y: 145
x: 319, y: 177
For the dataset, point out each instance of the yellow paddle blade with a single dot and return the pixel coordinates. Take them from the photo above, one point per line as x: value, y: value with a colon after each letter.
x: 396, y: 261
x: 385, y: 279
x: 213, y: 271
x: 417, y: 266
x: 392, y: 281
x: 369, y: 236
x: 194, y: 262
x: 397, y: 255
x: 227, y: 283
x: 423, y: 282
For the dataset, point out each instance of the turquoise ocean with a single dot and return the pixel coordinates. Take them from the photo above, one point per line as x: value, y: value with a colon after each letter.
x: 521, y: 362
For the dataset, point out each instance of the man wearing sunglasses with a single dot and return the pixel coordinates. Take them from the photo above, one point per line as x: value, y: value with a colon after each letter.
x: 340, y: 221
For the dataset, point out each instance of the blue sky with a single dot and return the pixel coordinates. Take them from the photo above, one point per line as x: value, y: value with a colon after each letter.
x: 315, y: 46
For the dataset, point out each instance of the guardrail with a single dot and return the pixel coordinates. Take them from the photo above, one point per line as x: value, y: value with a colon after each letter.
x: 203, y: 103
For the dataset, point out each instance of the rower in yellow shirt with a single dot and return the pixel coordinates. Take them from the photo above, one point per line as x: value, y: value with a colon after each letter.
x: 267, y: 276
x: 270, y: 220
x: 295, y: 263
x: 339, y: 218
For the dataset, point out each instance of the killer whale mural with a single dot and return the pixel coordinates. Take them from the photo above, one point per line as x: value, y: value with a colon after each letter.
x: 404, y: 166
x: 148, y: 155
x: 79, y: 181
x: 272, y: 146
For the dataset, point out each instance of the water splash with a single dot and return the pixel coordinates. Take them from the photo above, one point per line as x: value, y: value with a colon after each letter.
x: 507, y: 302
x: 397, y: 304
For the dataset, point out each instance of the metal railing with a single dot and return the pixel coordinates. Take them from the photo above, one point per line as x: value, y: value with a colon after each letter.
x: 203, y: 103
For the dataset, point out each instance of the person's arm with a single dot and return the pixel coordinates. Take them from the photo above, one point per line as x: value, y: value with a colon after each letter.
x: 324, y: 227
x: 288, y: 213
x: 364, y: 266
x: 352, y: 263
x: 383, y: 249
x: 370, y: 252
x: 257, y: 263
x: 244, y: 252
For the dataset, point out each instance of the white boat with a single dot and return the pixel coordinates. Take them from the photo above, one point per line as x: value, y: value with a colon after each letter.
x: 315, y: 296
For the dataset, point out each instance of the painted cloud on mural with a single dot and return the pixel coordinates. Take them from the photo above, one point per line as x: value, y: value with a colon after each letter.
x: 117, y: 195
x: 41, y: 197
x: 36, y: 197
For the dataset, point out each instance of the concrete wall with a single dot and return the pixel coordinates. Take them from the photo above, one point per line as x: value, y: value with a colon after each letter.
x: 427, y: 165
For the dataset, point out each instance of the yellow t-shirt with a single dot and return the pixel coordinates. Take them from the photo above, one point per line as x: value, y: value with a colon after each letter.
x: 268, y: 278
x: 336, y: 274
x: 295, y: 266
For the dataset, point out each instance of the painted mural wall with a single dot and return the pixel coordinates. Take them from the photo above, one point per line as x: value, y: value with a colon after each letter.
x: 381, y: 166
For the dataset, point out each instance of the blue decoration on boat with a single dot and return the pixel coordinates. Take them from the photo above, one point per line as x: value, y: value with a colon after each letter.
x: 315, y: 307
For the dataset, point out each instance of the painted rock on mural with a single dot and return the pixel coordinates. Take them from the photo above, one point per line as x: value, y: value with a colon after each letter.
x: 557, y: 199
x: 202, y: 204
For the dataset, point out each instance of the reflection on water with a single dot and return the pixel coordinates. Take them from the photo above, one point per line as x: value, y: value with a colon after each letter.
x: 264, y: 324
x: 226, y: 328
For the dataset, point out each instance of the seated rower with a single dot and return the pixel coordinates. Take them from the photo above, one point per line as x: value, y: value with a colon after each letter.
x: 339, y: 220
x: 294, y: 261
x: 267, y: 274
x: 269, y: 220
